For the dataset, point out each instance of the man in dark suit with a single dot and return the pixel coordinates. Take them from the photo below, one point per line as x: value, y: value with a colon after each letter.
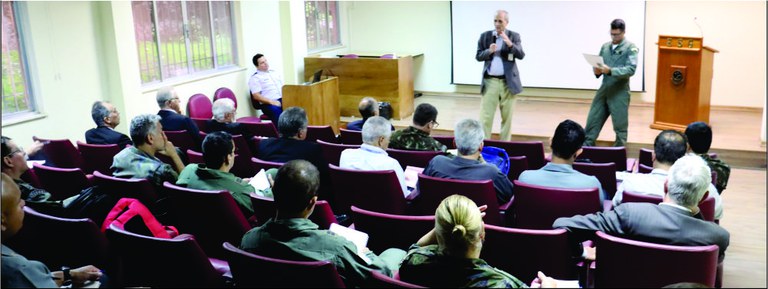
x: 224, y: 119
x: 106, y: 117
x: 368, y: 107
x: 676, y: 221
x: 170, y: 112
x: 498, y: 49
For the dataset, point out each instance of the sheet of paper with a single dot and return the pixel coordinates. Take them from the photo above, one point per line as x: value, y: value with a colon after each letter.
x: 260, y: 181
x: 412, y: 176
x: 360, y: 239
x: 29, y: 163
x: 594, y: 60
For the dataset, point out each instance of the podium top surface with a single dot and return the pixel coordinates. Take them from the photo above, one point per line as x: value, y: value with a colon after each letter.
x: 689, y: 43
x: 379, y: 54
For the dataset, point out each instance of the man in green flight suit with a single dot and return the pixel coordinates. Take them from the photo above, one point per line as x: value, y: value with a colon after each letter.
x: 620, y: 57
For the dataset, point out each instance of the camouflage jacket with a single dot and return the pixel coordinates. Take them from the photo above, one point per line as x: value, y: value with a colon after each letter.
x: 426, y: 266
x: 414, y: 139
x: 723, y: 171
x: 137, y: 164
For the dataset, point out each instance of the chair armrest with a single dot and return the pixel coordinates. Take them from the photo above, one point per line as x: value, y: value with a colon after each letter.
x: 504, y: 207
x: 631, y: 163
x: 90, y: 179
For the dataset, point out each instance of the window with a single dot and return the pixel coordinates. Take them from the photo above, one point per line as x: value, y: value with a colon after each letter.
x: 322, y: 24
x: 17, y: 97
x: 182, y: 38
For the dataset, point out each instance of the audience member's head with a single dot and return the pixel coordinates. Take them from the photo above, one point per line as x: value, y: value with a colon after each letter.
x: 295, y: 189
x: 167, y: 98
x: 147, y: 130
x: 567, y: 141
x: 688, y: 180
x: 368, y: 107
x: 105, y: 114
x: 293, y: 123
x: 468, y: 135
x: 224, y: 110
x: 14, y: 158
x: 219, y: 151
x: 13, y: 208
x: 425, y: 117
x: 699, y: 136
x: 376, y: 132
x: 618, y: 24
x: 459, y: 227
x: 260, y: 62
x: 669, y: 146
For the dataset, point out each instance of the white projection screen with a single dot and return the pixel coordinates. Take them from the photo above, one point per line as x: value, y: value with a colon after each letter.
x: 554, y: 34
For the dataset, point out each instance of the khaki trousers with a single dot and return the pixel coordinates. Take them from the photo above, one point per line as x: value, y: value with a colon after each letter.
x: 497, y: 94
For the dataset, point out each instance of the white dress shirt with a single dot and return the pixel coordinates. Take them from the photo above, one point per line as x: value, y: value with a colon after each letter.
x: 267, y: 83
x: 371, y: 158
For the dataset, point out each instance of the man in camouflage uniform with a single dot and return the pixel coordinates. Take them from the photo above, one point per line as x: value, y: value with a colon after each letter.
x: 699, y: 136
x: 416, y: 137
x: 620, y: 57
x: 139, y: 161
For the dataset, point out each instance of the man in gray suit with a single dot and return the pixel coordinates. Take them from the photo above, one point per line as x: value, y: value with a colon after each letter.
x: 498, y: 48
x: 559, y: 173
x: 676, y: 221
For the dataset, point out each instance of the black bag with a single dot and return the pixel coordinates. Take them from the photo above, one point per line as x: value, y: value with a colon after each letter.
x: 92, y: 203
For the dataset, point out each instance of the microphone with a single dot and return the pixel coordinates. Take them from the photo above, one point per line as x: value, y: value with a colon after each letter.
x: 701, y: 31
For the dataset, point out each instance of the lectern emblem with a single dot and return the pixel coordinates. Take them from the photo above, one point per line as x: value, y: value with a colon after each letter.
x: 677, y: 77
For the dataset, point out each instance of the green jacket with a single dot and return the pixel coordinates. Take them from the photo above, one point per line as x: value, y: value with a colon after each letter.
x: 197, y: 176
x: 427, y: 266
x: 302, y: 240
x: 135, y: 163
x: 414, y: 139
x: 623, y: 63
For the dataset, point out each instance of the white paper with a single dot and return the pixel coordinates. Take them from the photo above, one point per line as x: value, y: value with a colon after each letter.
x: 567, y: 283
x: 360, y: 239
x: 594, y: 60
x: 412, y: 176
x: 40, y: 162
x: 260, y: 181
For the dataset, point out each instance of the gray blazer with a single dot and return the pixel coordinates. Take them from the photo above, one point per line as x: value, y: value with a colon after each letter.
x: 510, y: 67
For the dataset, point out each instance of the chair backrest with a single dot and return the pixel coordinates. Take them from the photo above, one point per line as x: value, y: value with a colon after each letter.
x: 350, y: 56
x: 537, y: 207
x: 378, y: 191
x: 643, y: 169
x: 332, y: 151
x: 379, y: 280
x: 532, y: 150
x: 182, y: 140
x: 212, y: 216
x: 60, y: 182
x: 517, y: 165
x: 243, y: 167
x: 433, y: 190
x: 604, y: 172
x: 412, y: 158
x: 263, y: 208
x: 31, y: 177
x: 387, y: 56
x: 157, y: 262
x: 61, y: 153
x: 195, y: 157
x: 265, y: 129
x: 630, y: 263
x: 250, y: 270
x: 706, y: 205
x: 60, y: 242
x: 523, y: 252
x: 200, y: 106
x: 97, y: 157
x: 323, y: 215
x: 324, y: 133
x: 645, y: 157
x: 259, y: 164
x: 352, y: 137
x: 202, y: 123
x: 140, y: 189
x: 447, y: 140
x: 381, y: 227
x: 616, y: 155
x: 224, y: 92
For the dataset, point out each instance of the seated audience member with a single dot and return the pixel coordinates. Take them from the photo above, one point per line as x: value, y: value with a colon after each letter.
x: 224, y: 118
x: 266, y: 87
x: 668, y: 147
x: 700, y: 139
x: 449, y: 255
x: 106, y: 117
x: 468, y: 165
x: 219, y: 156
x: 676, y: 221
x: 170, y: 112
x: 18, y: 271
x: 368, y: 107
x: 416, y: 137
x: 559, y: 173
x: 15, y: 165
x: 292, y: 236
x: 139, y: 161
x: 372, y: 154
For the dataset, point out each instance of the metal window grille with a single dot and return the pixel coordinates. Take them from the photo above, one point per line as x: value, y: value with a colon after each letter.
x: 16, y: 89
x: 322, y: 24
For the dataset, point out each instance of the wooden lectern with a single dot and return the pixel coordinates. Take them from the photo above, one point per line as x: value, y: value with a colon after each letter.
x: 683, y: 82
x: 319, y: 99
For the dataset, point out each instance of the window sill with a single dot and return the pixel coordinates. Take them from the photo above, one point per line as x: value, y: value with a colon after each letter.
x: 326, y: 49
x: 154, y: 86
x: 22, y: 118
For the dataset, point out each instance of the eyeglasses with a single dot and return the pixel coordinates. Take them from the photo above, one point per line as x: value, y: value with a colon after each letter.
x: 436, y: 124
x: 17, y: 150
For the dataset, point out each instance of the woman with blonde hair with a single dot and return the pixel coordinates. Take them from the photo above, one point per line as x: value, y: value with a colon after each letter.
x: 449, y: 255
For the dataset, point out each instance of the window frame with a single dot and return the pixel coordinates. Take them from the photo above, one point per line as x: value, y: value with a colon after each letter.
x: 26, y: 55
x: 191, y: 72
x: 328, y: 33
